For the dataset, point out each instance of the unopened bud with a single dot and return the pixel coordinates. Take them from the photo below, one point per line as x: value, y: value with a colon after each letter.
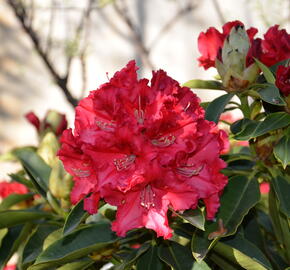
x: 232, y: 67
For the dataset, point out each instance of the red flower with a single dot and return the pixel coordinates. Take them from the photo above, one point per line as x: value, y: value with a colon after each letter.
x: 10, y: 267
x: 275, y: 46
x: 283, y: 80
x: 264, y: 188
x: 144, y: 148
x: 33, y: 119
x: 7, y: 188
x: 211, y: 42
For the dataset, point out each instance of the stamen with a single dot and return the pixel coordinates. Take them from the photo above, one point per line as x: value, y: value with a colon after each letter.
x: 187, y: 106
x: 139, y: 113
x: 81, y: 173
x: 147, y: 197
x: 164, y: 141
x: 187, y: 172
x: 124, y: 163
x: 106, y: 126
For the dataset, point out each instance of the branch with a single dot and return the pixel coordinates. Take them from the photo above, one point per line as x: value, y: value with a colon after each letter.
x: 219, y: 11
x: 137, y: 38
x: 21, y: 15
x: 179, y: 14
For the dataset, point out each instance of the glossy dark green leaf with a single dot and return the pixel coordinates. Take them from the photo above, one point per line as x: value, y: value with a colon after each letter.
x: 269, y: 76
x: 18, y: 177
x: 178, y: 257
x: 77, y: 265
x: 252, y: 230
x: 10, y: 218
x: 222, y: 262
x: 150, y: 260
x: 239, y: 250
x: 253, y: 129
x: 74, y: 218
x: 282, y: 152
x: 11, y: 242
x: 282, y: 189
x: 36, y: 168
x: 132, y: 257
x: 239, y: 196
x: 280, y: 224
x: 216, y: 107
x: 200, y: 266
x: 3, y: 232
x: 203, y: 84
x: 271, y: 94
x: 194, y: 217
x: 35, y: 243
x: 76, y: 245
x: 14, y: 199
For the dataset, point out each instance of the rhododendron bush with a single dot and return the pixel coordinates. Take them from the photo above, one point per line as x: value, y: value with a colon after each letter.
x: 149, y: 177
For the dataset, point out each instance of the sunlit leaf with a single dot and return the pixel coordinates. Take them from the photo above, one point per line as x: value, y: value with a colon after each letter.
x: 216, y: 107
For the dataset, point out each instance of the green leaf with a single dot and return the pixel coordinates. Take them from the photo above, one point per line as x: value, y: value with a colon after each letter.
x: 14, y: 199
x: 10, y: 218
x: 3, y: 232
x: 35, y: 243
x: 178, y: 257
x: 150, y: 260
x: 51, y: 238
x: 74, y: 218
x: 81, y: 264
x: 132, y: 257
x: 76, y: 245
x: 22, y: 180
x: 11, y: 242
x: 282, y: 189
x: 216, y: 107
x: 270, y: 78
x: 194, y: 217
x: 281, y: 151
x: 239, y: 250
x: 35, y: 167
x: 239, y: 196
x: 271, y: 94
x: 222, y: 262
x: 200, y: 266
x: 252, y: 129
x: 202, y: 84
x: 7, y: 246
x: 280, y: 224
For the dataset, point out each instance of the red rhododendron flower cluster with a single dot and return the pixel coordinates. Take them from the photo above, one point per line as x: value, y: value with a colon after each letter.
x: 8, y: 188
x: 144, y: 148
x: 273, y: 48
x: 211, y: 42
x: 283, y: 79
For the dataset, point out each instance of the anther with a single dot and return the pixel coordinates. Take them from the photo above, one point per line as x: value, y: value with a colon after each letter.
x: 164, y: 141
x: 106, y: 126
x: 124, y: 163
x: 81, y: 173
x: 188, y: 172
